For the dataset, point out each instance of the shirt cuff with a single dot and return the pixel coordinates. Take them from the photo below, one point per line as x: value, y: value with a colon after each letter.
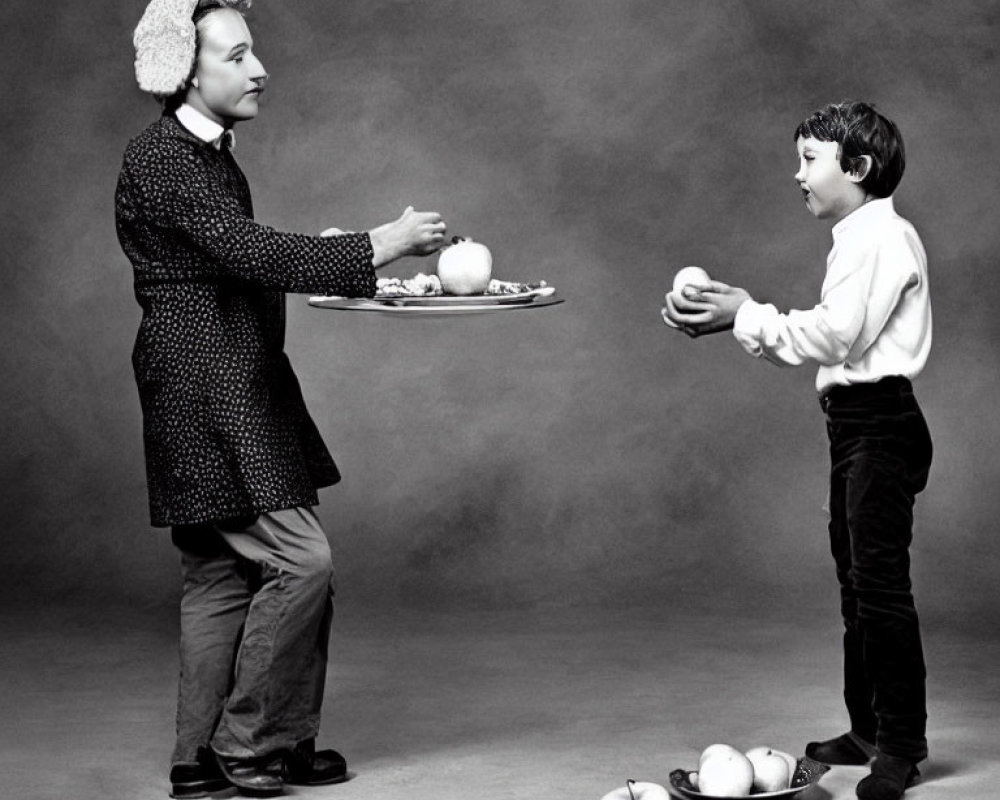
x: 747, y: 325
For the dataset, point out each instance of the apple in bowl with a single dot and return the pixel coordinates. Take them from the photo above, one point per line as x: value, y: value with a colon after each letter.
x: 773, y: 770
x: 465, y: 267
x: 723, y: 771
x: 638, y: 790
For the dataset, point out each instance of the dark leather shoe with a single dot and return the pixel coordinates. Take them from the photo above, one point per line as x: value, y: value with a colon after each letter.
x: 846, y: 749
x: 255, y: 777
x: 307, y: 766
x: 202, y: 779
x: 891, y: 776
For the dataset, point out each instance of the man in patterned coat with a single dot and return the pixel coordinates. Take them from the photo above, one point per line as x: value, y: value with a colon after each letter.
x: 233, y: 458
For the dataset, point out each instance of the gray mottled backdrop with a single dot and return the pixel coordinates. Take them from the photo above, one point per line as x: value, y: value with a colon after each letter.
x: 582, y: 453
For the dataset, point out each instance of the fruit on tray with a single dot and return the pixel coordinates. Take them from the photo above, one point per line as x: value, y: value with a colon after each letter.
x: 465, y: 267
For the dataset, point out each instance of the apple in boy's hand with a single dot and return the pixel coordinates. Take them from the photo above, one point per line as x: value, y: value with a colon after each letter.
x: 640, y: 790
x: 771, y: 769
x: 686, y: 276
x: 465, y: 267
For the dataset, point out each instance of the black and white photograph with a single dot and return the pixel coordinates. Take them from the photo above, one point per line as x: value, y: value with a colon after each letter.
x: 493, y: 400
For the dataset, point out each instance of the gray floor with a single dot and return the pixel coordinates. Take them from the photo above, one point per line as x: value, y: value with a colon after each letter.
x: 486, y: 706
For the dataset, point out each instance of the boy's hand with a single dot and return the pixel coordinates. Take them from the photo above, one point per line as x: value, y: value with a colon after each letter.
x: 415, y: 233
x: 704, y: 309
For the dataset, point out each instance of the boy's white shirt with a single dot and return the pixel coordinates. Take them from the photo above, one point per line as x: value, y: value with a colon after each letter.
x: 874, y: 315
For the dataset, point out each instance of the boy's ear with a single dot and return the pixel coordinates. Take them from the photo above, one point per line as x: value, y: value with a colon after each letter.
x: 859, y: 169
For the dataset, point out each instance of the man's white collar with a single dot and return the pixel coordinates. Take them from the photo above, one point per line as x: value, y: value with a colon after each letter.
x: 208, y: 130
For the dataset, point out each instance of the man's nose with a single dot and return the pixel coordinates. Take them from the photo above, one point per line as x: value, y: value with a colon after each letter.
x: 257, y: 71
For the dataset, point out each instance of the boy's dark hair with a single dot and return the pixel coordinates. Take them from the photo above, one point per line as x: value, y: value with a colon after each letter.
x: 860, y: 130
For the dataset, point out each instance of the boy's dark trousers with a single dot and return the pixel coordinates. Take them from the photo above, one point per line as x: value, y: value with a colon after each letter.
x: 880, y: 453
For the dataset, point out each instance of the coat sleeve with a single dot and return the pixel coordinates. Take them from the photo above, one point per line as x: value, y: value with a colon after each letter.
x: 175, y: 189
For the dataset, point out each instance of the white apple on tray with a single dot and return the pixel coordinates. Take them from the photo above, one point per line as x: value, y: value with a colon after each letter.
x: 465, y: 267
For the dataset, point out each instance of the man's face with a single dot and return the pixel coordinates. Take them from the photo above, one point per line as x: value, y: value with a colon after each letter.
x: 829, y: 192
x: 228, y: 78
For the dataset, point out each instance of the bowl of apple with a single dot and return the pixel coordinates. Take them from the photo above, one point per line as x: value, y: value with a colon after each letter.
x: 761, y: 772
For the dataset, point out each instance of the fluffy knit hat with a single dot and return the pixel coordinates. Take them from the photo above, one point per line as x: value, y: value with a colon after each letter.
x: 164, y: 43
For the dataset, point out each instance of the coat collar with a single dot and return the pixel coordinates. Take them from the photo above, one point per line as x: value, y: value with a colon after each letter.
x: 202, y: 128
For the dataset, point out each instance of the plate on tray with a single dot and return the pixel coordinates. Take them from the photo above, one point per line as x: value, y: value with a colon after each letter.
x: 466, y: 300
x: 441, y: 305
x: 807, y: 773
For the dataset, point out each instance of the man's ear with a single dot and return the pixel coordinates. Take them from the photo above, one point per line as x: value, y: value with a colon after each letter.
x: 859, y: 169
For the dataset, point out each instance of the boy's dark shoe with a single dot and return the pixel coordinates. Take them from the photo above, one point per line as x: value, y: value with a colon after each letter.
x: 848, y: 749
x: 890, y: 777
x: 254, y: 777
x: 203, y: 779
x: 307, y: 766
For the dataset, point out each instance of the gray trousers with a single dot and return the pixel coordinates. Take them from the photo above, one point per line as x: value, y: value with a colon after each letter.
x: 255, y: 624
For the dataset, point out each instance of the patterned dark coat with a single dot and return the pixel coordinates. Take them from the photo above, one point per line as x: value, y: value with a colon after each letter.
x: 225, y: 429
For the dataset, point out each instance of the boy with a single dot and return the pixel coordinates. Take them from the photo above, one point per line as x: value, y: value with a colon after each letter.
x: 870, y: 334
x: 233, y: 459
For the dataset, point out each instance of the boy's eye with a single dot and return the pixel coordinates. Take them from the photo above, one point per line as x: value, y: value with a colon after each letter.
x: 238, y: 59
